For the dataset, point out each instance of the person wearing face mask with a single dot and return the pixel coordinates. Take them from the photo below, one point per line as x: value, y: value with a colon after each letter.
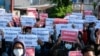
x: 68, y: 46
x: 18, y: 48
x: 97, y: 43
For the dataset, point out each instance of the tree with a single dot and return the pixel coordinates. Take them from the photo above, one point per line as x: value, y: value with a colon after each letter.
x: 61, y: 9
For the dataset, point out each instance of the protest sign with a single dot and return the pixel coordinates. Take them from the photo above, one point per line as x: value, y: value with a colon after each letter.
x: 62, y: 26
x: 43, y: 16
x: 3, y: 22
x: 75, y: 53
x: 17, y: 29
x: 76, y: 21
x: 8, y: 16
x: 50, y: 29
x: 42, y: 33
x: 90, y: 18
x: 2, y: 11
x: 30, y: 51
x: 29, y: 39
x: 49, y: 21
x: 60, y: 21
x: 32, y: 12
x: 69, y: 35
x: 10, y: 35
x: 28, y: 21
x: 88, y: 12
x: 79, y: 15
x: 73, y: 17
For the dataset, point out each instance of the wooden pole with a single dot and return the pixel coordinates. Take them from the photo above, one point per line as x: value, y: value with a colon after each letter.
x: 12, y: 5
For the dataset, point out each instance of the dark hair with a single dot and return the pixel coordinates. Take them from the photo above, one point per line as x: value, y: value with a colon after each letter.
x: 87, y: 49
x: 96, y: 32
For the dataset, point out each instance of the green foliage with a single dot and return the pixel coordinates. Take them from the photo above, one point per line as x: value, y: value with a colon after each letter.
x: 63, y: 7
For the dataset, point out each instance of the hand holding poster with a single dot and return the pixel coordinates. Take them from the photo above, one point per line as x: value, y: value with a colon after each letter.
x: 69, y: 35
x: 30, y: 51
x: 29, y: 40
x: 28, y: 21
x: 75, y: 53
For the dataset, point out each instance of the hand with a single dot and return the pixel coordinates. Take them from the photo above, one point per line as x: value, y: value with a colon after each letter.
x: 98, y: 40
x: 40, y: 42
x: 2, y: 33
x: 59, y: 40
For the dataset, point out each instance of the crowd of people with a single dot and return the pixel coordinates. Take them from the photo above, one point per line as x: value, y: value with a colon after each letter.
x: 88, y: 42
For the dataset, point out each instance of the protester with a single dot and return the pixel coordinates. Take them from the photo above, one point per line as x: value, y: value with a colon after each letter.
x: 18, y: 48
x: 85, y: 33
x: 91, y: 33
x: 97, y: 44
x: 88, y: 51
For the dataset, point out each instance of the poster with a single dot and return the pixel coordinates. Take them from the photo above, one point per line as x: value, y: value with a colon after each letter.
x: 30, y: 51
x: 49, y: 21
x: 32, y: 12
x: 62, y: 26
x: 10, y: 35
x: 8, y: 16
x: 27, y: 21
x: 42, y: 33
x: 60, y: 21
x: 29, y: 39
x: 75, y: 53
x: 3, y: 22
x: 69, y: 35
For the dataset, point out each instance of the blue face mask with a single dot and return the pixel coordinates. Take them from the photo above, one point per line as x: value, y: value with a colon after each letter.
x: 68, y: 46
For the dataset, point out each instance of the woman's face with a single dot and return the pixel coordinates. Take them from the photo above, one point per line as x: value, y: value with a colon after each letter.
x: 18, y: 46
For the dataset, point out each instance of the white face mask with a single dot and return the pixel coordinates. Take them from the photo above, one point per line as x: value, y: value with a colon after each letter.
x: 18, y: 52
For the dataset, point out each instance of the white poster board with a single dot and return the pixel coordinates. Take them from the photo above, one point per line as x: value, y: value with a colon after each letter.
x: 3, y: 22
x: 17, y: 29
x: 28, y: 21
x: 49, y: 21
x: 10, y: 35
x: 8, y: 16
x: 42, y: 33
x: 90, y: 18
x: 29, y: 39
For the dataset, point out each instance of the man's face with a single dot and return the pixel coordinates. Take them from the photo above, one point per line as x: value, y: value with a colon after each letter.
x: 89, y: 53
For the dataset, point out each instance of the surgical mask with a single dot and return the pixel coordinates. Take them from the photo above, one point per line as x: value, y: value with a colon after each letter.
x: 18, y: 52
x: 68, y: 46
